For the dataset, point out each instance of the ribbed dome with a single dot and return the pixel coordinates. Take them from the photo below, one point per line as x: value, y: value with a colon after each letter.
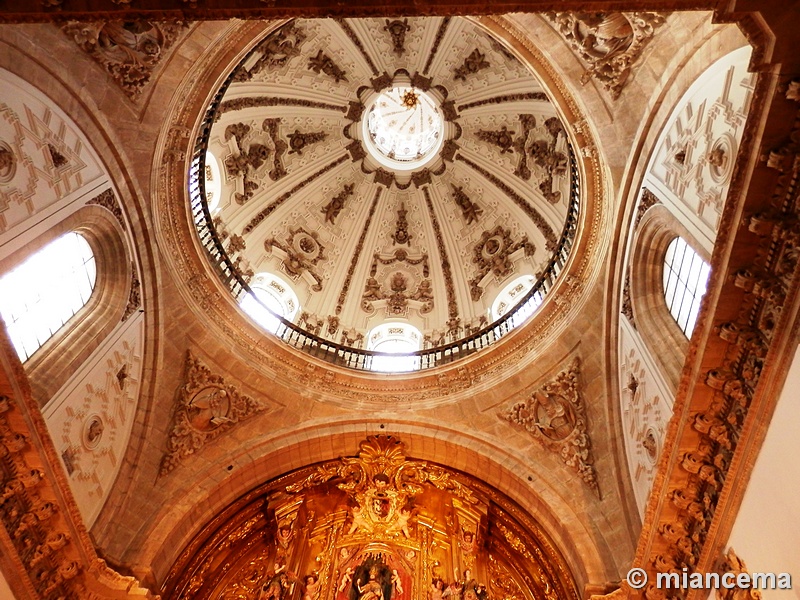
x: 403, y: 171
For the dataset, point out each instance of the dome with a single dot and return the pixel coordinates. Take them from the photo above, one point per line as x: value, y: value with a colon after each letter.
x: 389, y: 172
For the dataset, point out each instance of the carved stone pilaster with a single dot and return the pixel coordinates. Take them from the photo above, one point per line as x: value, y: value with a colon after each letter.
x: 554, y: 414
x: 207, y: 406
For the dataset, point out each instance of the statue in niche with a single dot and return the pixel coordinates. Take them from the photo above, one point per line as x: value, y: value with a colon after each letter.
x: 372, y: 589
x: 284, y: 539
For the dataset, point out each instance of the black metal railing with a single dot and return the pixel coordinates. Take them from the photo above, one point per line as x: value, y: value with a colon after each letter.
x: 356, y: 358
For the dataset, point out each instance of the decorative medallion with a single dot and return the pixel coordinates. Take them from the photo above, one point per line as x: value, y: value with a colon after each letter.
x: 8, y: 163
x: 206, y: 407
x: 93, y: 431
x: 608, y: 43
x: 494, y: 254
x: 129, y: 50
x: 556, y: 417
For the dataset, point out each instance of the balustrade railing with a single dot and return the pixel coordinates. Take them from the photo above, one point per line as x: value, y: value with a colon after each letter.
x: 356, y: 358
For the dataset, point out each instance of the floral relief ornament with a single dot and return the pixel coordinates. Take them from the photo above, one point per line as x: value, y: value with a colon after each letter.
x: 207, y: 406
x: 556, y: 417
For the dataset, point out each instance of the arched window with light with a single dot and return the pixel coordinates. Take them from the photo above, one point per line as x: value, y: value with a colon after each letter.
x: 511, y: 295
x: 38, y: 297
x: 271, y: 298
x: 685, y: 281
x: 400, y: 339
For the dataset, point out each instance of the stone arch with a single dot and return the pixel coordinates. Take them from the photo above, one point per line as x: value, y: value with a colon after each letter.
x: 176, y: 525
x: 49, y: 367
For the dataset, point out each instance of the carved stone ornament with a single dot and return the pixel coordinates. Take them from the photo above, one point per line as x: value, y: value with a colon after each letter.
x: 493, y: 255
x: 398, y: 29
x: 608, y: 43
x: 627, y: 303
x: 129, y: 50
x: 206, y: 407
x: 58, y: 159
x: 731, y: 563
x: 381, y: 481
x: 398, y: 290
x: 475, y: 62
x: 470, y: 210
x: 298, y: 141
x: 703, y: 468
x: 135, y: 296
x: 8, y: 163
x: 30, y: 521
x: 556, y: 417
x: 336, y: 204
x: 322, y: 63
x: 401, y: 235
x: 275, y: 51
x: 300, y: 253
x: 108, y: 200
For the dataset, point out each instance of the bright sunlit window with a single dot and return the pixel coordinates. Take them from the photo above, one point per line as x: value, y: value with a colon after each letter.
x: 685, y: 280
x: 510, y: 296
x: 39, y: 296
x: 271, y: 296
x: 213, y: 183
x: 395, y: 338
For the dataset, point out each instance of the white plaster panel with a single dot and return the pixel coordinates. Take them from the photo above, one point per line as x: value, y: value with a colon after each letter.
x: 94, y: 393
x: 40, y: 186
x: 646, y: 408
x: 691, y: 167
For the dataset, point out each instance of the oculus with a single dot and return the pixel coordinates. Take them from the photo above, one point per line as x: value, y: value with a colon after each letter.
x: 403, y: 128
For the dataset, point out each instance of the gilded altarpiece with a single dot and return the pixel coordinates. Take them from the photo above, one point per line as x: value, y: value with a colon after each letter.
x: 376, y: 526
